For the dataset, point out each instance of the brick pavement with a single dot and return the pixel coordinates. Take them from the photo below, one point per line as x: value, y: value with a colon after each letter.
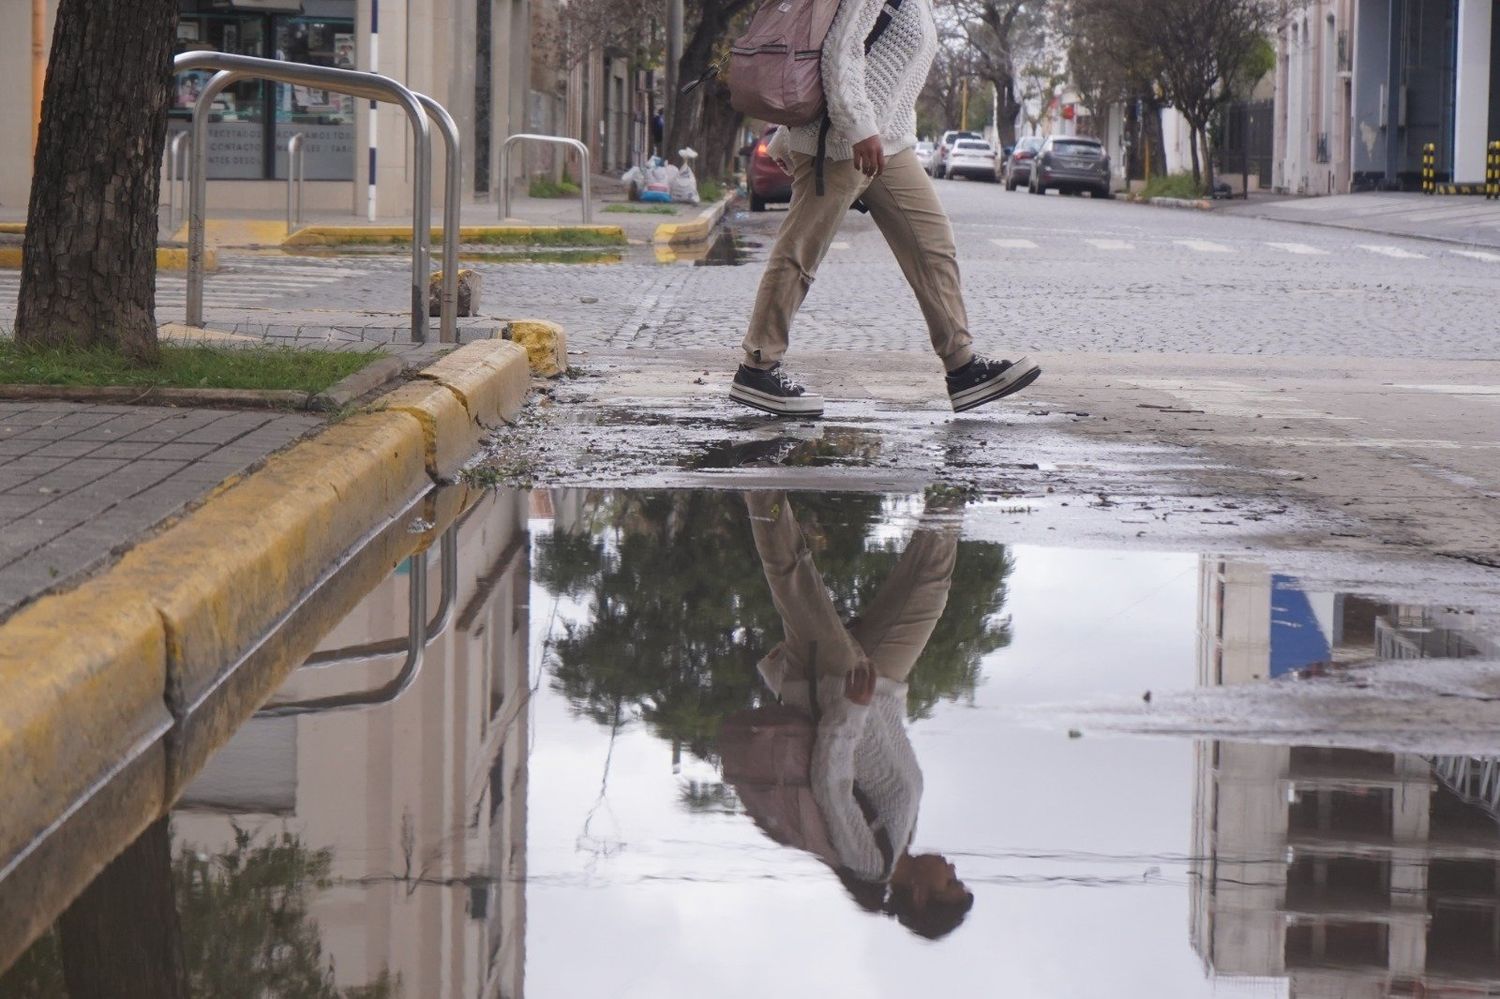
x: 80, y: 482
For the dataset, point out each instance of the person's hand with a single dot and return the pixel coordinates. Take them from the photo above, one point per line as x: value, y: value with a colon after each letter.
x: 859, y: 684
x: 869, y: 156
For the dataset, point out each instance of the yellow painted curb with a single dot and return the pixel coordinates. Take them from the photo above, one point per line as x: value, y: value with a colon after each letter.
x: 548, y: 235
x: 490, y: 377
x: 82, y: 674
x: 168, y: 258
x: 449, y: 435
x: 13, y: 228
x: 696, y: 231
x: 545, y: 343
x: 237, y: 232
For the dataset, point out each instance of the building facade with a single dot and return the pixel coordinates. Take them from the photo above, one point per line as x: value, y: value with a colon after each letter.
x: 1364, y: 85
x: 494, y: 64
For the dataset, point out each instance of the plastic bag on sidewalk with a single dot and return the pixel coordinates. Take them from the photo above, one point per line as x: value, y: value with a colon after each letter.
x: 684, y: 186
x: 634, y: 180
x: 659, y: 177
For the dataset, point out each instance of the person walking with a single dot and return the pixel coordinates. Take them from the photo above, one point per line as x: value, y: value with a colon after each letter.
x: 871, y: 120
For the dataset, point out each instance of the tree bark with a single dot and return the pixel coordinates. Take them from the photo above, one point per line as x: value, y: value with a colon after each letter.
x: 122, y: 938
x: 88, y: 273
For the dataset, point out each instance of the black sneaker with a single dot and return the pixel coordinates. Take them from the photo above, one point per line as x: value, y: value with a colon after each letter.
x: 983, y: 380
x: 771, y: 391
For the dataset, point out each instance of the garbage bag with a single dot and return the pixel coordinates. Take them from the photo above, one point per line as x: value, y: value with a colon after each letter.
x: 634, y: 180
x: 684, y: 186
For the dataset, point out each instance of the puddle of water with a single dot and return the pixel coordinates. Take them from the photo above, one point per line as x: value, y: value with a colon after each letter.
x: 819, y: 448
x: 551, y: 783
x: 726, y: 250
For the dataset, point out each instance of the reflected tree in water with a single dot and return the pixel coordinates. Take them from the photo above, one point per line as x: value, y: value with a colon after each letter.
x: 246, y: 929
x: 681, y: 613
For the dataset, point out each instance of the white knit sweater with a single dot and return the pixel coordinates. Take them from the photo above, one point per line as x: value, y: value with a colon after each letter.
x: 865, y: 745
x: 874, y: 94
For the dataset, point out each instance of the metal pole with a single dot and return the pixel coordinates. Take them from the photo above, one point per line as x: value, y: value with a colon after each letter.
x: 38, y: 66
x: 293, y: 159
x: 579, y: 147
x: 453, y: 182
x: 198, y: 194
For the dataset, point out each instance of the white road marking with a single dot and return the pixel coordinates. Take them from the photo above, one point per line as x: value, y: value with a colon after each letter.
x: 1489, y: 258
x: 1203, y: 246
x: 1393, y: 251
x: 838, y: 246
x: 1110, y: 244
x: 1014, y: 244
x: 1301, y: 249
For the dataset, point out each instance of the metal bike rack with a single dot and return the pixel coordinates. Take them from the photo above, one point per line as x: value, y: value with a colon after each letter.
x: 583, y: 151
x: 453, y: 182
x: 420, y: 633
x: 176, y: 178
x: 370, y: 86
x: 296, y: 175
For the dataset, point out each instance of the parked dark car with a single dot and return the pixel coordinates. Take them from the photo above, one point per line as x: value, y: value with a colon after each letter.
x: 1018, y: 164
x: 1071, y: 164
x: 767, y: 183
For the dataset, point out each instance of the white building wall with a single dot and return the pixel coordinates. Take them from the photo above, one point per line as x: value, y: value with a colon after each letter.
x: 1471, y: 120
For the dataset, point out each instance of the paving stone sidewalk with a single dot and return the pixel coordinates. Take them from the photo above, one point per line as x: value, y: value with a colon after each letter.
x: 79, y: 483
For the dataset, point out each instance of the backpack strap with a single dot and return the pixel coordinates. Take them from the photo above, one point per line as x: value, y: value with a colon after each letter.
x: 887, y: 14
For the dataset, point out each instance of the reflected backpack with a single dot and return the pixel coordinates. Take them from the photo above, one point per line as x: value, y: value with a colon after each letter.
x: 776, y: 67
x: 767, y: 756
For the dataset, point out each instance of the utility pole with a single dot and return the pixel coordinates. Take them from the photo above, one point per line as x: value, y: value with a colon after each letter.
x: 963, y: 114
x: 674, y: 59
x: 38, y: 65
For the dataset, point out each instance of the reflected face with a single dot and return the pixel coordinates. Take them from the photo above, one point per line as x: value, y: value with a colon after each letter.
x: 933, y: 879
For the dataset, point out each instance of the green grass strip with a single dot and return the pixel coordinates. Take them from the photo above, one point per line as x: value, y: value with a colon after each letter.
x: 183, y: 367
x: 619, y: 209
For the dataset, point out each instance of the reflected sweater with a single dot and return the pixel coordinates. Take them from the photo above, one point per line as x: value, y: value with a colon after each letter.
x: 874, y: 94
x: 864, y: 745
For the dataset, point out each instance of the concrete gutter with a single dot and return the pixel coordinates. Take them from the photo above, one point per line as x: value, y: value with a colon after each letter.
x: 696, y: 231
x: 117, y: 691
x: 471, y: 235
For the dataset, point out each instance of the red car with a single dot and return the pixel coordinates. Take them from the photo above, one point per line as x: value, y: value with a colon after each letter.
x: 767, y: 182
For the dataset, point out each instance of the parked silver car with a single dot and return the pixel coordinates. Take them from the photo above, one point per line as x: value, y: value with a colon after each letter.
x: 944, y: 147
x: 1071, y: 163
x: 924, y: 151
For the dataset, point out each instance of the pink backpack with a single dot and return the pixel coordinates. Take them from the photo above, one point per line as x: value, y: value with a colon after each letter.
x: 767, y: 756
x: 776, y: 67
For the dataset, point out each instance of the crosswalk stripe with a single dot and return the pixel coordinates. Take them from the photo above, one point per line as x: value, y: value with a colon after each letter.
x: 1110, y: 244
x: 1014, y: 244
x: 838, y: 246
x: 1203, y: 246
x: 1301, y: 249
x: 1489, y: 258
x: 1393, y: 251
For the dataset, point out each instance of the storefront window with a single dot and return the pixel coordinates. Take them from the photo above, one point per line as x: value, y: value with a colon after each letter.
x: 251, y: 123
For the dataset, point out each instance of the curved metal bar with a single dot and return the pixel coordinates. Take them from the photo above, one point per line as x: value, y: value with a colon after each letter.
x: 416, y: 647
x: 372, y: 86
x: 295, y: 175
x: 583, y: 151
x: 441, y: 618
x: 176, y: 178
x: 453, y: 182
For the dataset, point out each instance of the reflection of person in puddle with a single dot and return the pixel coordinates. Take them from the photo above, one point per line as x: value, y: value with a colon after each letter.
x: 865, y: 776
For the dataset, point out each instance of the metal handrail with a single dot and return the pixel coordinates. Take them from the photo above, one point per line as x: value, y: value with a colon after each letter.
x: 296, y: 177
x: 371, y: 86
x: 176, y: 177
x: 420, y: 633
x: 453, y: 183
x: 583, y: 151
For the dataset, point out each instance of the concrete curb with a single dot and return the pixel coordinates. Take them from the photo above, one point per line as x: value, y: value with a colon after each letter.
x: 1197, y: 204
x: 696, y: 231
x: 168, y: 258
x: 476, y: 235
x: 156, y: 646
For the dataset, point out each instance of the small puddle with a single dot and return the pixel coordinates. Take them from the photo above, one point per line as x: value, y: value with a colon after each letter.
x: 840, y: 447
x: 551, y: 779
x: 726, y: 250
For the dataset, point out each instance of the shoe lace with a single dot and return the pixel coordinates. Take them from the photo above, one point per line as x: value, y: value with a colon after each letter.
x: 785, y: 381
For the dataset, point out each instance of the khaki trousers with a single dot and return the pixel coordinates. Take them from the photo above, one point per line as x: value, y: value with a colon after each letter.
x: 892, y: 631
x: 906, y: 210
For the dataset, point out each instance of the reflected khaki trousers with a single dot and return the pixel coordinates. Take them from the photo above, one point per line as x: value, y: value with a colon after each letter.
x: 892, y: 631
x: 906, y: 210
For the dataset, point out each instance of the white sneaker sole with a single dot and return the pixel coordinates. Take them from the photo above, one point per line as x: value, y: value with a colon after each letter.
x: 803, y: 405
x: 1020, y: 374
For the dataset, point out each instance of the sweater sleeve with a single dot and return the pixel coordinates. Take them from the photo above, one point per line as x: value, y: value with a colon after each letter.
x: 849, y: 105
x: 839, y: 732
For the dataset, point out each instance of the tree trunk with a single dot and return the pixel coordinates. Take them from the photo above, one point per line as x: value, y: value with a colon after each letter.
x: 1156, y: 137
x: 88, y: 275
x: 1193, y: 143
x: 1208, y: 163
x: 1009, y: 108
x: 122, y: 938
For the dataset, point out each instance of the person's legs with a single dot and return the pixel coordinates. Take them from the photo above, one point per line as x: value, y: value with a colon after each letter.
x: 808, y: 617
x: 808, y: 230
x: 906, y: 209
x: 896, y: 626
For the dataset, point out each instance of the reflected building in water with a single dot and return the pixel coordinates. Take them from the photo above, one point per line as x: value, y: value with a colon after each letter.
x: 1339, y: 872
x: 420, y: 802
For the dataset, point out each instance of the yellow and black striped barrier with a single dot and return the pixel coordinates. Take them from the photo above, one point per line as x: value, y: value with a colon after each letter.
x: 1429, y: 168
x: 1492, y: 172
